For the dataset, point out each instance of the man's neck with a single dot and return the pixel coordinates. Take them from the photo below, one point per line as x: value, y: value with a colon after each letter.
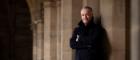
x: 85, y: 24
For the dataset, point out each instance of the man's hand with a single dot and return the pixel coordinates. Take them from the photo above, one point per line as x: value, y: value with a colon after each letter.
x: 77, y: 38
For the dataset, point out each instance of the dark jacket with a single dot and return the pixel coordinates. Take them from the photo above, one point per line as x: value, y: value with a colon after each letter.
x: 88, y: 42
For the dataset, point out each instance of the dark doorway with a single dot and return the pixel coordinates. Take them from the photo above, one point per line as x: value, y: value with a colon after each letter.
x: 16, y: 37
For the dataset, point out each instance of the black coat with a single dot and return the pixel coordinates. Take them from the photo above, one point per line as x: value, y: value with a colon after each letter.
x: 88, y: 42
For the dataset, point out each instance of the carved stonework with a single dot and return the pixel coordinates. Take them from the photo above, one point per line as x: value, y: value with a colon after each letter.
x: 58, y: 3
x: 50, y: 4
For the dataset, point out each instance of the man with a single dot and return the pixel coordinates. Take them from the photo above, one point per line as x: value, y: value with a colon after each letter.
x: 87, y: 38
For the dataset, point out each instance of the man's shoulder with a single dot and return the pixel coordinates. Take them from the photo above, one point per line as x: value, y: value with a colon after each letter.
x: 77, y: 28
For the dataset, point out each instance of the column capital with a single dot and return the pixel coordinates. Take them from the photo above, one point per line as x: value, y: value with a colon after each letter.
x: 58, y: 3
x: 50, y: 4
x: 47, y: 4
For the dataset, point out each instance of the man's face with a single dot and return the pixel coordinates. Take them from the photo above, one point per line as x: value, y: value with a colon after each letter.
x: 86, y: 15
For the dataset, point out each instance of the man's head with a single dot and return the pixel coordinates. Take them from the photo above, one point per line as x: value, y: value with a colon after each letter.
x: 86, y: 14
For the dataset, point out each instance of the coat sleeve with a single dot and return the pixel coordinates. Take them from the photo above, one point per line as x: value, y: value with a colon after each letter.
x: 77, y: 44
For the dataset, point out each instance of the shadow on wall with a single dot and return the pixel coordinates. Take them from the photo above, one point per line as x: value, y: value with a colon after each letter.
x: 106, y: 42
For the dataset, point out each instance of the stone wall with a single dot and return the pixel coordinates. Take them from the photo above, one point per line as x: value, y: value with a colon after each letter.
x: 51, y: 38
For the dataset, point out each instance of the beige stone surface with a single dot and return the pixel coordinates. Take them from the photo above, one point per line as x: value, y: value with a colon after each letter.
x: 61, y: 16
x: 135, y: 30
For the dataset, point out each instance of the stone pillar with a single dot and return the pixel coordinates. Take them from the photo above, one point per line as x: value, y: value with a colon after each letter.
x: 66, y: 28
x: 37, y: 26
x: 135, y: 30
x: 53, y: 32
x: 32, y: 10
x: 47, y: 30
x: 50, y: 34
x: 39, y: 41
x: 113, y: 18
x: 58, y: 5
x: 118, y: 31
x: 106, y: 9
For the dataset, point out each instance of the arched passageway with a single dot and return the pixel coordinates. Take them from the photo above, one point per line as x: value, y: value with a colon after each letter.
x: 15, y: 30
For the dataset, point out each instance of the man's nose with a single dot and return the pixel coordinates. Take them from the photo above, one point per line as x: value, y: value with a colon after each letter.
x: 85, y: 17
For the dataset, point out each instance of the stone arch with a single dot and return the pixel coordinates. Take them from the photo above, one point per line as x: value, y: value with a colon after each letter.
x: 23, y: 32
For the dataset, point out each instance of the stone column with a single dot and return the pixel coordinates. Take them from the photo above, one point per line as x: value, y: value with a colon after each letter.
x: 135, y: 30
x: 106, y: 8
x: 50, y: 34
x: 37, y: 26
x: 53, y: 32
x: 113, y: 18
x: 39, y: 40
x: 32, y: 10
x: 66, y: 28
x: 118, y: 30
x: 58, y: 6
x: 47, y: 30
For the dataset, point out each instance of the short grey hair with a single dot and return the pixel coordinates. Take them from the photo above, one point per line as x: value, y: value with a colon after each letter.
x: 87, y: 7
